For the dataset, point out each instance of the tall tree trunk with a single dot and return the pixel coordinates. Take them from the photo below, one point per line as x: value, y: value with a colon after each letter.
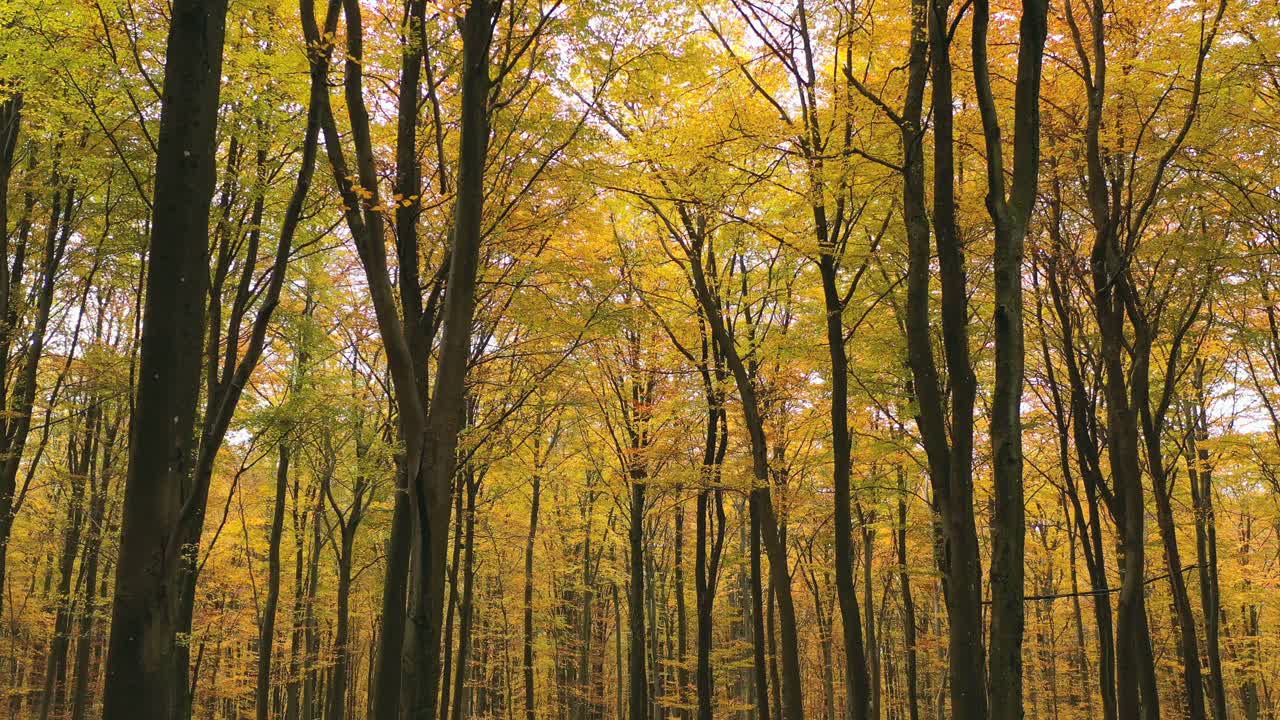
x: 431, y: 500
x: 141, y: 683
x: 857, y: 681
x: 455, y: 591
x: 1010, y: 214
x: 873, y: 654
x: 770, y: 531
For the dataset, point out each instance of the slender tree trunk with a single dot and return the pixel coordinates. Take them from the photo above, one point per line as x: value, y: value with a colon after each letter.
x: 97, y: 531
x: 460, y: 704
x: 873, y: 654
x: 1011, y: 214
x: 455, y: 590
x: 1200, y: 475
x: 638, y: 687
x: 857, y: 681
x: 908, y: 603
x: 81, y: 457
x: 267, y: 628
x: 341, y: 651
x: 682, y: 620
x: 759, y: 654
x: 529, y: 712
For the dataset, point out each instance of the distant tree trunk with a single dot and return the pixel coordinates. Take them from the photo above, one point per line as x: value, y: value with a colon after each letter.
x: 759, y: 655
x: 529, y: 712
x: 868, y: 608
x: 771, y: 634
x: 291, y: 707
x: 460, y: 705
x: 617, y: 651
x: 770, y: 531
x: 267, y: 628
x: 312, y: 692
x: 638, y: 687
x: 682, y: 621
x: 908, y: 603
x: 1200, y: 474
x: 1184, y: 619
x: 708, y: 547
x: 1075, y: 428
x: 455, y: 590
x: 100, y: 491
x: 81, y: 456
x: 141, y: 683
x: 341, y: 651
x: 1250, y: 700
x: 1152, y: 415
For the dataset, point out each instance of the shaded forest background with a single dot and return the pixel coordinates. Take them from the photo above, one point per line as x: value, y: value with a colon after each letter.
x: 604, y: 359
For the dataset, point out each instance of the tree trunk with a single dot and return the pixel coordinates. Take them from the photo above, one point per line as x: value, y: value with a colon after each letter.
x: 460, y: 705
x: 528, y: 601
x: 267, y: 628
x: 759, y: 654
x: 141, y: 684
x: 857, y: 681
x: 1200, y: 475
x: 638, y: 685
x: 908, y: 603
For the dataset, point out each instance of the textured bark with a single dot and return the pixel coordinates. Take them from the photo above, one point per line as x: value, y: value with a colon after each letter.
x: 10, y: 129
x: 946, y: 432
x: 431, y: 500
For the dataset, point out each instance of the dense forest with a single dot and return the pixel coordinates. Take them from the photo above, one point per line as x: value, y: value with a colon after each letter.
x: 556, y: 359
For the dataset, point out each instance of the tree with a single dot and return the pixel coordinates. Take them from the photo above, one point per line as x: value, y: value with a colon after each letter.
x: 144, y: 616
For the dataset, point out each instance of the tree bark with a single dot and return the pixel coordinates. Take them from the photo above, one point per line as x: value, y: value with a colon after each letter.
x: 140, y: 682
x: 1010, y: 216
